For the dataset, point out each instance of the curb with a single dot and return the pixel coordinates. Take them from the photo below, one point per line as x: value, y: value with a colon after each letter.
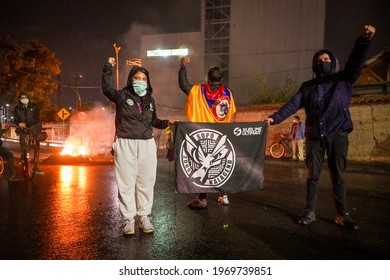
x: 353, y: 167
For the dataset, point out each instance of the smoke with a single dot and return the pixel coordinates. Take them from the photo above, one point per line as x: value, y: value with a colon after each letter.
x: 94, y: 130
x: 131, y: 47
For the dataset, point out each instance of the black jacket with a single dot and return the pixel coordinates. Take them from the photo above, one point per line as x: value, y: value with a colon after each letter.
x: 129, y: 122
x: 29, y: 115
x: 326, y: 99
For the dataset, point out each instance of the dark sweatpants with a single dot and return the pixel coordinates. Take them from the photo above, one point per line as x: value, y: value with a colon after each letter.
x: 336, y: 149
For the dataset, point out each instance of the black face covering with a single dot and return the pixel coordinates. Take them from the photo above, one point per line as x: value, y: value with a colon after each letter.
x: 324, y: 68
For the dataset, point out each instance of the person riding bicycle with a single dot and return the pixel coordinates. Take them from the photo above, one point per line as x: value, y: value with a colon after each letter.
x: 26, y: 115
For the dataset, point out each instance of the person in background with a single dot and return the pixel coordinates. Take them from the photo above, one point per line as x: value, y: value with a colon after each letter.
x: 297, y: 139
x: 326, y: 100
x: 9, y: 157
x: 211, y: 102
x: 135, y: 151
x: 27, y: 115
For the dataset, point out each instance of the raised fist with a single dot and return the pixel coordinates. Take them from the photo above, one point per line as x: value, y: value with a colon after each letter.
x: 185, y: 60
x: 111, y: 60
x: 368, y: 31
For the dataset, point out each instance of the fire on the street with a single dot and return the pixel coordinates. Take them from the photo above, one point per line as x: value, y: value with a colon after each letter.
x: 70, y: 154
x: 74, y: 150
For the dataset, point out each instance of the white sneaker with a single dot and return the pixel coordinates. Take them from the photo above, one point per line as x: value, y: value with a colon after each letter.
x: 146, y: 225
x: 39, y: 172
x: 129, y: 227
x: 223, y: 200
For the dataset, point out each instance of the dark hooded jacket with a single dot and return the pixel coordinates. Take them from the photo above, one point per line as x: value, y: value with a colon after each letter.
x: 326, y: 98
x: 29, y: 115
x: 130, y: 123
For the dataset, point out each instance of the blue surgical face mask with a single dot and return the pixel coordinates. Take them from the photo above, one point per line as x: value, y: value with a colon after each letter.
x: 140, y: 88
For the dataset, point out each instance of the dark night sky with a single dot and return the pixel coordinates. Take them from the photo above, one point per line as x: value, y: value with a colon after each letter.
x: 82, y: 33
x: 345, y: 18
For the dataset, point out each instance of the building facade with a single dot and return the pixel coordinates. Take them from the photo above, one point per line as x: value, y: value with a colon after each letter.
x: 272, y: 39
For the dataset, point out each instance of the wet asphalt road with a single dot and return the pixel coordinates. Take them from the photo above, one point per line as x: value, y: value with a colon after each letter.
x: 71, y: 212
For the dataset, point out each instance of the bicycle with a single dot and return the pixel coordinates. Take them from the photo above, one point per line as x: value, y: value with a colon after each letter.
x: 1, y: 165
x: 278, y: 149
x: 30, y: 154
x: 1, y: 158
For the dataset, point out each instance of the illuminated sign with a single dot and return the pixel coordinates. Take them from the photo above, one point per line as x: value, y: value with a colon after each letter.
x: 167, y: 52
x: 133, y: 62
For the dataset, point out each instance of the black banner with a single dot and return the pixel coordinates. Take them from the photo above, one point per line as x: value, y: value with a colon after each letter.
x: 213, y: 156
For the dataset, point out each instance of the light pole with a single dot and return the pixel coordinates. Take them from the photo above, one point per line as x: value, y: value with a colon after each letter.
x: 78, y: 97
x: 6, y: 113
x: 117, y: 49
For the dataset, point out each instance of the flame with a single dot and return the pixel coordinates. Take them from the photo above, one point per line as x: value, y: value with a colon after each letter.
x: 74, y: 150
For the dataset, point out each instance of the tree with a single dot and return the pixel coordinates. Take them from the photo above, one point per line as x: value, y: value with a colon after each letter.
x: 31, y: 69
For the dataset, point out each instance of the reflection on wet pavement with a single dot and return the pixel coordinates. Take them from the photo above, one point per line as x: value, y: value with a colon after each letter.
x: 71, y: 212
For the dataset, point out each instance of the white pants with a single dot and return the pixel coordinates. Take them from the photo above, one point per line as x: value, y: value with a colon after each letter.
x: 297, y: 147
x: 135, y: 170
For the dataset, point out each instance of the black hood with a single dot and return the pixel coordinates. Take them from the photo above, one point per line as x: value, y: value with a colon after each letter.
x: 132, y: 72
x: 332, y: 58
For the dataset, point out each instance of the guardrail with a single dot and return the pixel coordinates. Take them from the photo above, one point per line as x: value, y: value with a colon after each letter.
x: 372, y: 88
x: 57, y: 133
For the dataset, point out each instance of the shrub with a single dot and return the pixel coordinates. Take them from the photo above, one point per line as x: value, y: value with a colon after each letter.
x: 275, y: 93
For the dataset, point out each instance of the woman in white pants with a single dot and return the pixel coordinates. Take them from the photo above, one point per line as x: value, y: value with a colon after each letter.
x: 134, y: 147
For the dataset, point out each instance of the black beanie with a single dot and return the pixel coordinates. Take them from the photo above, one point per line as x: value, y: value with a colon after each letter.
x: 215, y: 74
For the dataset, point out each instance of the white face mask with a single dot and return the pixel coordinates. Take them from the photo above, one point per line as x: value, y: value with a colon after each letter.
x: 24, y: 101
x: 140, y: 88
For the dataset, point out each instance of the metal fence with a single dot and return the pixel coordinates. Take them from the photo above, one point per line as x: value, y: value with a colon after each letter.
x: 372, y: 88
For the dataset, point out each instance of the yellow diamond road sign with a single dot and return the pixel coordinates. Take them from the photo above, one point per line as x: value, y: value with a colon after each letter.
x: 63, y: 114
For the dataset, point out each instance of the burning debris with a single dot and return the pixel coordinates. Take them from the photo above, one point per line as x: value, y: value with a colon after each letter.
x: 90, y: 134
x: 75, y: 151
x: 70, y: 154
x: 57, y: 158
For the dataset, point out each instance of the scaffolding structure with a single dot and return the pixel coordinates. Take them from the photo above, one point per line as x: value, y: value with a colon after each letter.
x: 217, y: 36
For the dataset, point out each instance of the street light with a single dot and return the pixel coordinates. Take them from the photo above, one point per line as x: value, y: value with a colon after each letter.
x: 78, y: 97
x: 7, y: 113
